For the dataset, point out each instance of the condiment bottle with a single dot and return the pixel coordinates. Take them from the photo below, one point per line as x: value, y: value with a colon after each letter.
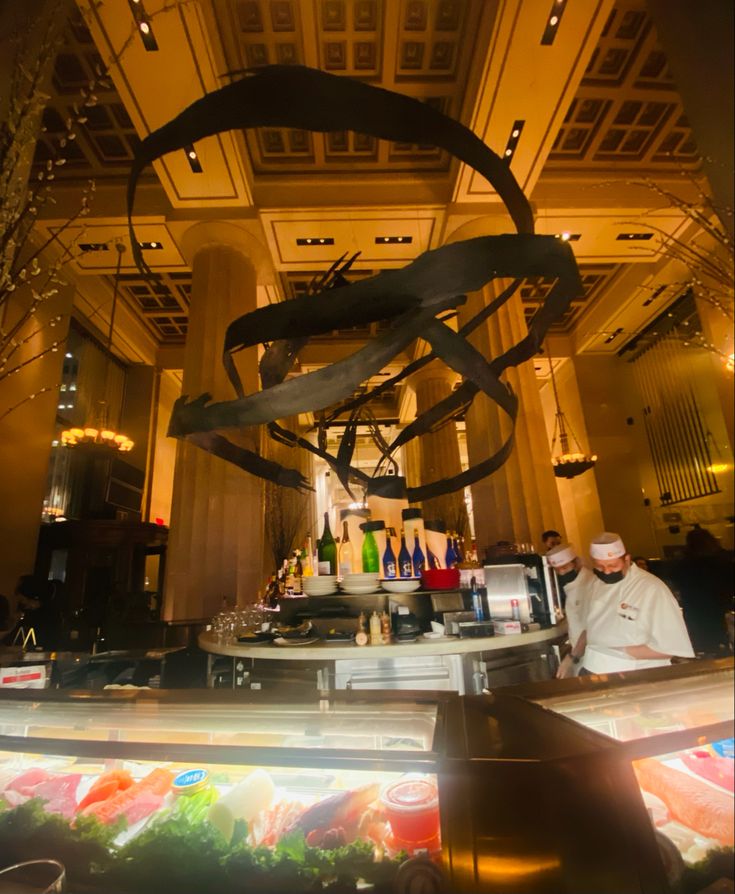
x: 376, y: 637
x: 385, y: 626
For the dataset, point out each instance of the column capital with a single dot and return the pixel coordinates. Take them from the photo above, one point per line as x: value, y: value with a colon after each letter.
x: 207, y: 234
x: 431, y: 372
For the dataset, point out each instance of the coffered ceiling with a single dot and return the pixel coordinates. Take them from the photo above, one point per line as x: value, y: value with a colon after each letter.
x: 591, y: 97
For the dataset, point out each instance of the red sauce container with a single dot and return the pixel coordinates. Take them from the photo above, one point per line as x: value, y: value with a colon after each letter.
x: 412, y: 806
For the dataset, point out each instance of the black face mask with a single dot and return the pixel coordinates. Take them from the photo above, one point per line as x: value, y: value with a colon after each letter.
x: 614, y: 577
x: 568, y: 577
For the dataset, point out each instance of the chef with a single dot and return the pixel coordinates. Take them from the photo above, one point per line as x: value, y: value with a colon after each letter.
x: 633, y: 620
x: 576, y: 581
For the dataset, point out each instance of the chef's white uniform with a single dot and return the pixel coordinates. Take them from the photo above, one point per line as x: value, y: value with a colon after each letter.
x: 639, y: 610
x: 575, y: 608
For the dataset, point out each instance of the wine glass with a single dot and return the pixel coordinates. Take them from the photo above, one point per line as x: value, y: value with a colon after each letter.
x: 33, y: 877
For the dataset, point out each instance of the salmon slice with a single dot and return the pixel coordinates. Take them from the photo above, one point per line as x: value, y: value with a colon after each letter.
x: 128, y: 802
x: 691, y: 802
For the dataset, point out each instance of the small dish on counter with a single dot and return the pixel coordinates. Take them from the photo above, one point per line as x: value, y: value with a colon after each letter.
x: 401, y: 585
x: 301, y: 641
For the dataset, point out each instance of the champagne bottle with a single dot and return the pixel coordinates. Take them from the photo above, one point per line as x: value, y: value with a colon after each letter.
x: 405, y: 565
x: 345, y: 552
x: 418, y: 558
x: 327, y: 549
x: 306, y: 561
x: 390, y: 568
x: 298, y: 575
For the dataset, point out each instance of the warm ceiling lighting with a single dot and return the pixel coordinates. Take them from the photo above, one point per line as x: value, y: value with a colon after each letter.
x: 315, y: 240
x: 392, y: 240
x: 552, y: 22
x: 634, y: 237
x: 99, y: 435
x: 193, y: 158
x: 143, y: 24
x: 566, y: 463
x: 515, y: 135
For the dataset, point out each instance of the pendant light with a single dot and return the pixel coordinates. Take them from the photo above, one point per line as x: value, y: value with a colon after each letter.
x: 97, y: 434
x: 566, y: 463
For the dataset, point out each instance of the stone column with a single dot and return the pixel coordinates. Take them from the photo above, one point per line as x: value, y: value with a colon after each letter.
x: 439, y: 450
x: 520, y: 500
x: 216, y: 537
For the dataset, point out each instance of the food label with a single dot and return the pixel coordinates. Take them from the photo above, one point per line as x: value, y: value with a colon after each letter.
x: 190, y: 781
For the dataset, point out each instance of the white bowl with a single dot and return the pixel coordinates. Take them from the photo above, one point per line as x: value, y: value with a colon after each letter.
x: 320, y: 591
x: 356, y: 578
x: 401, y: 585
x: 354, y: 590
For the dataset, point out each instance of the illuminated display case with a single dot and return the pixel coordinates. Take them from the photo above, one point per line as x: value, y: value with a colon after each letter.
x: 529, y: 790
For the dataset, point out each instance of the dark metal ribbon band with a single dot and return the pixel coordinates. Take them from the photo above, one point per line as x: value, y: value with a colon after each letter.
x: 410, y: 298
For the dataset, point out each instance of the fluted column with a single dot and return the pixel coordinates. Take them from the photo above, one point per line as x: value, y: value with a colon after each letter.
x: 216, y: 540
x: 520, y: 500
x: 439, y: 450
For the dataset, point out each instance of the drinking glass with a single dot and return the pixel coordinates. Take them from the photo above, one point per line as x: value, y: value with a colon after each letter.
x: 33, y: 877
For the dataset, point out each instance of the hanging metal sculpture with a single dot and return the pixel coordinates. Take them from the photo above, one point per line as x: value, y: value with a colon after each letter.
x: 409, y: 299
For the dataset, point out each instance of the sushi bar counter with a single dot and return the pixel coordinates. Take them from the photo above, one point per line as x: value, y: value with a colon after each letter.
x: 617, y: 785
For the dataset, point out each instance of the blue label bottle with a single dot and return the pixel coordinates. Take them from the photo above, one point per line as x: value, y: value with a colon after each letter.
x: 405, y: 565
x: 419, y: 559
x: 390, y: 566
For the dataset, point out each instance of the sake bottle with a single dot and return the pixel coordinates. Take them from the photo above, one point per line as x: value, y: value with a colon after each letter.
x: 390, y: 566
x: 405, y: 564
x: 450, y: 558
x: 418, y: 558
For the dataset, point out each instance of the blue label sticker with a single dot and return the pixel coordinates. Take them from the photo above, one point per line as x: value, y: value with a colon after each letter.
x: 187, y: 778
x: 724, y: 748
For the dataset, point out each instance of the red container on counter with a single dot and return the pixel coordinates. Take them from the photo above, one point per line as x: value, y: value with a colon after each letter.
x: 412, y: 806
x: 440, y: 579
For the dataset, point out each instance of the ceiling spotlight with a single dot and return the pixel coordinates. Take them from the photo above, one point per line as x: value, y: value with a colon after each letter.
x: 550, y: 32
x: 515, y: 134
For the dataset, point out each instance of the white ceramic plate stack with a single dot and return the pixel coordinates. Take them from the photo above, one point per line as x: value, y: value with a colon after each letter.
x: 320, y: 585
x: 401, y: 584
x: 360, y: 584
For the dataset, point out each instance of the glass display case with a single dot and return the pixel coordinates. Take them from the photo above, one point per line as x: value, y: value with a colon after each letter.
x: 532, y: 790
x: 134, y: 790
x: 675, y: 727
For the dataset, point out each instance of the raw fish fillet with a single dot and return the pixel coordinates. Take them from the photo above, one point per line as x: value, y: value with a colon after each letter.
x: 720, y: 770
x: 28, y: 780
x: 690, y: 802
x: 135, y: 801
x: 59, y: 794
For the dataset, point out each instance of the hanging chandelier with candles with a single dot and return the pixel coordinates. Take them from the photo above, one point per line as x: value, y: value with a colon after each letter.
x: 566, y: 463
x: 99, y: 434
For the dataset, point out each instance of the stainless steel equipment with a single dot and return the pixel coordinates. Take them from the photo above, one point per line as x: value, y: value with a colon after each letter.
x: 508, y: 597
x: 442, y: 672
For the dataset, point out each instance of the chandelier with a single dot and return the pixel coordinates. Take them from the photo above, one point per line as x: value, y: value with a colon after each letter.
x: 98, y: 433
x: 566, y: 463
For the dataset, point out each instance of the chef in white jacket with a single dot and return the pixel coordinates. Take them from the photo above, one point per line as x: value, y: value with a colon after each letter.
x: 633, y: 621
x: 576, y: 581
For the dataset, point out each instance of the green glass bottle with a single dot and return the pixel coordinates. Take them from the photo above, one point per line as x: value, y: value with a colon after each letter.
x: 327, y: 549
x: 370, y: 557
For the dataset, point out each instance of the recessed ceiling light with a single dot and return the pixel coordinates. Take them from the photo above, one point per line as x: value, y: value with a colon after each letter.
x: 569, y: 237
x: 389, y: 240
x: 93, y: 246
x: 515, y: 135
x: 315, y: 240
x: 147, y: 246
x: 635, y: 237
x: 143, y: 24
x: 552, y: 23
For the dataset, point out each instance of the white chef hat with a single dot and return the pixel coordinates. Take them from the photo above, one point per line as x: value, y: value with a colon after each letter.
x: 607, y: 546
x: 561, y: 555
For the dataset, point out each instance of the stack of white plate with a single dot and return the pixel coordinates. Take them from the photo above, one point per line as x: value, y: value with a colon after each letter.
x: 321, y: 585
x: 360, y: 584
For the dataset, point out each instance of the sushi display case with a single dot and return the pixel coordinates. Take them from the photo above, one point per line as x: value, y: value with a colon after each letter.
x: 524, y: 790
x: 674, y: 726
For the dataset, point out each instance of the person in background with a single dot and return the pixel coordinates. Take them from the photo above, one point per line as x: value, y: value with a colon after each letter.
x: 37, y: 611
x: 550, y: 539
x: 641, y: 562
x: 575, y: 582
x: 633, y: 621
x: 704, y: 582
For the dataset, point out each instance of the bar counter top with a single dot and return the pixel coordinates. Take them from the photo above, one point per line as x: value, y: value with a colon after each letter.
x: 323, y: 650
